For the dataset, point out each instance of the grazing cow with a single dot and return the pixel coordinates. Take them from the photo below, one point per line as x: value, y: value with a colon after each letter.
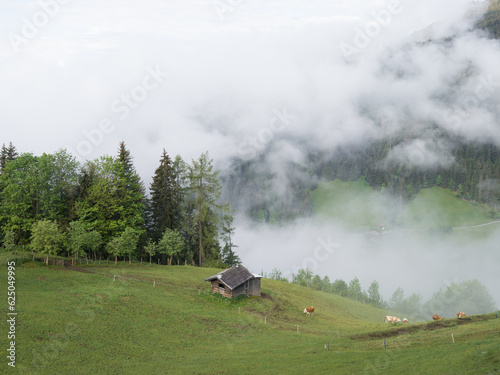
x: 391, y: 319
x: 405, y: 321
x: 461, y: 314
x: 437, y: 317
x: 309, y: 310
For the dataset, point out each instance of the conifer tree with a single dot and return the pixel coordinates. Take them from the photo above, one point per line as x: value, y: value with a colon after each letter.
x: 205, y: 189
x: 165, y: 198
x: 7, y: 154
x: 3, y: 157
x: 229, y: 257
x: 11, y: 152
x: 130, y: 190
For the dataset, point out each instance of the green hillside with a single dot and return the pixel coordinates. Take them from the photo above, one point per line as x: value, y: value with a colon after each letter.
x: 359, y: 207
x: 436, y: 207
x: 77, y: 322
x: 353, y: 203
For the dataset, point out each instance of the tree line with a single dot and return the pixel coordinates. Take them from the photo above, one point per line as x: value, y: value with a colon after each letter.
x: 54, y: 205
x: 471, y: 295
x: 352, y: 290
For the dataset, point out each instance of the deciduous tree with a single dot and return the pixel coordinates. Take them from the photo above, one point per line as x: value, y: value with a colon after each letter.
x: 46, y: 238
x: 171, y: 244
x: 374, y: 297
x: 355, y: 291
x: 150, y: 248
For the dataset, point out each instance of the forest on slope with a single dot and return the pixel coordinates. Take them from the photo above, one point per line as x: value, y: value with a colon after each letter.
x: 474, y: 175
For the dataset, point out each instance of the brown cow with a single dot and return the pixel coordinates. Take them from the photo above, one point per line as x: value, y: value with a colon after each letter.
x: 309, y: 310
x: 437, y: 317
x: 405, y: 321
x: 392, y: 319
x: 461, y: 315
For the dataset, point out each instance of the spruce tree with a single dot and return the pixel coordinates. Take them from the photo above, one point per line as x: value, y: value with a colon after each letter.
x: 130, y: 190
x: 165, y: 198
x: 11, y: 152
x: 3, y: 157
x: 7, y: 154
x: 229, y: 257
x: 125, y: 159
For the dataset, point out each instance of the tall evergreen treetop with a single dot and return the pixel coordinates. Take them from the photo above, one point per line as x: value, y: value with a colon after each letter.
x: 165, y: 198
x: 205, y: 189
x: 7, y: 154
x: 125, y: 159
x: 130, y: 189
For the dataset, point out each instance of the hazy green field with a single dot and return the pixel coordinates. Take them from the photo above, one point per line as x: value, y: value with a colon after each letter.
x: 359, y: 207
x: 353, y: 203
x: 440, y: 207
x: 71, y: 322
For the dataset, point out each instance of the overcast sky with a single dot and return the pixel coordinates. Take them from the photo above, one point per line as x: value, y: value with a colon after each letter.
x: 196, y: 75
x: 230, y: 76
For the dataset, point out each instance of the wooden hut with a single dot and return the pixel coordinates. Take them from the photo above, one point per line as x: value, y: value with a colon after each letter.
x: 235, y: 281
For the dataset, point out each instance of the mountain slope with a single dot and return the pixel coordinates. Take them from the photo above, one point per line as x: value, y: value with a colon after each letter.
x: 356, y: 205
x: 116, y: 321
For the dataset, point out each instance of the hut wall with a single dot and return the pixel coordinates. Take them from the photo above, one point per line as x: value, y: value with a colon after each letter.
x: 239, y: 290
x: 218, y: 287
x: 254, y: 287
x: 250, y: 288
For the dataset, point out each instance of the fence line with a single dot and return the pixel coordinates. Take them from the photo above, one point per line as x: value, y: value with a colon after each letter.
x: 266, y: 318
x: 398, y: 341
x: 154, y: 282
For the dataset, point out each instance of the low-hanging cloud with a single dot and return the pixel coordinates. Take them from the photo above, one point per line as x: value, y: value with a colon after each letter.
x: 421, y: 153
x: 418, y: 261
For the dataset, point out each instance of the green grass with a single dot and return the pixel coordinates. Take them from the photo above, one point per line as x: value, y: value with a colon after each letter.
x: 358, y: 207
x: 436, y: 207
x: 353, y: 203
x: 72, y: 322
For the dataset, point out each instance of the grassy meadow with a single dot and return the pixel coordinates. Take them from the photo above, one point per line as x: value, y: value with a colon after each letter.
x: 80, y: 321
x: 360, y: 208
x: 353, y: 203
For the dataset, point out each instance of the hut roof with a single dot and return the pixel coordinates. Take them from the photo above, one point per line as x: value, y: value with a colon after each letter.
x: 233, y: 277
